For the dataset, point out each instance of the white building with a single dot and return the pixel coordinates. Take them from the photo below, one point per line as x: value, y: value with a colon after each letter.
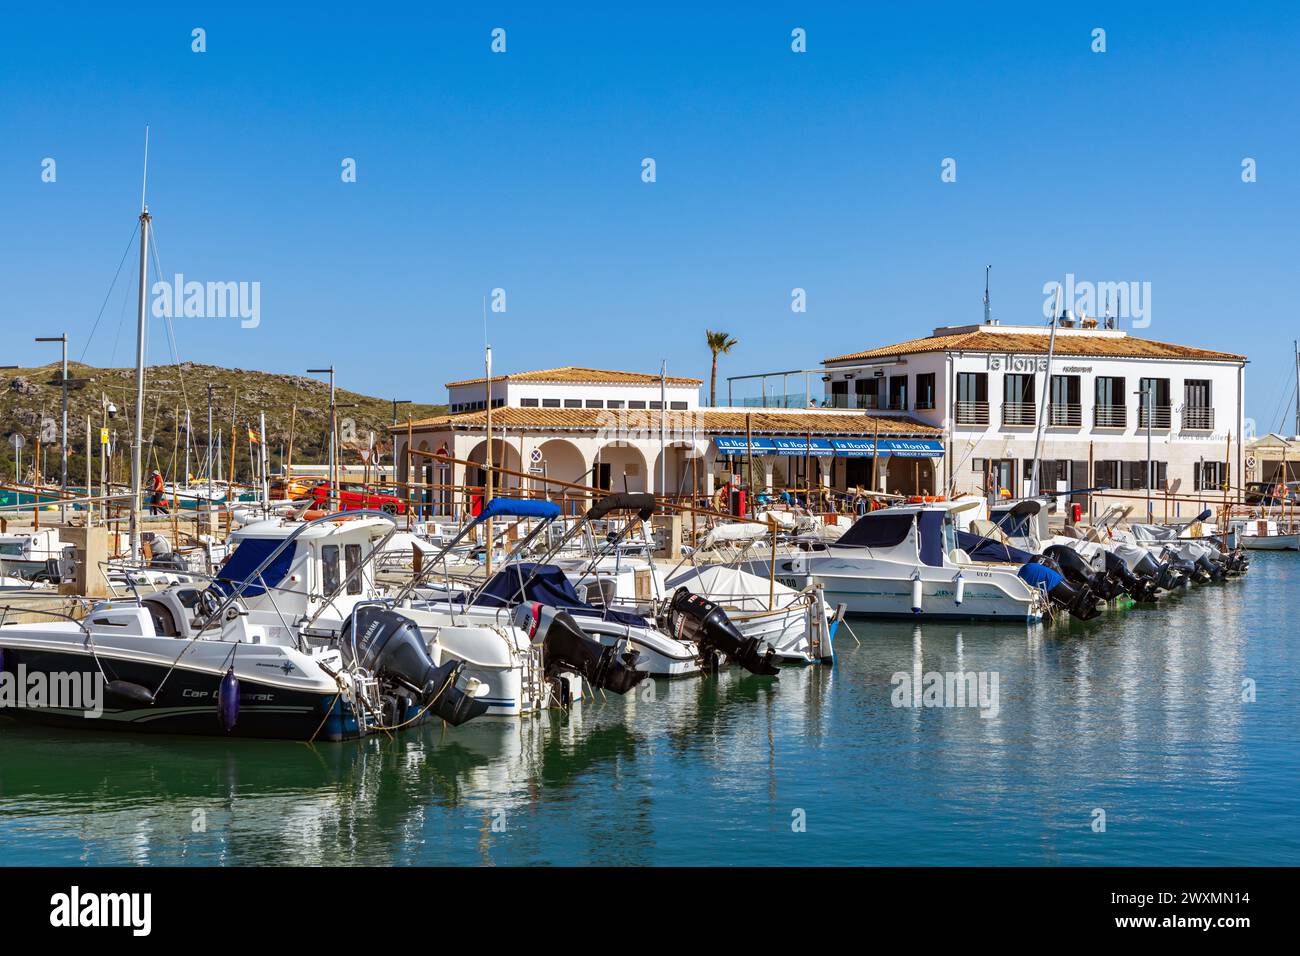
x: 983, y: 385
x: 631, y: 431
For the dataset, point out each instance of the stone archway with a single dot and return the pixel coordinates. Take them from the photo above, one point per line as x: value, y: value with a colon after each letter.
x: 620, y: 466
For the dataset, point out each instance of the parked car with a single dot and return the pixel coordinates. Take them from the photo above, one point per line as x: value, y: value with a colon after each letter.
x: 1266, y: 493
x: 358, y: 497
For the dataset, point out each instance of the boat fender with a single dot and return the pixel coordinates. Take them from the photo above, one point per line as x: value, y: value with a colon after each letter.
x: 126, y: 690
x: 916, y: 592
x: 960, y: 582
x: 228, y: 700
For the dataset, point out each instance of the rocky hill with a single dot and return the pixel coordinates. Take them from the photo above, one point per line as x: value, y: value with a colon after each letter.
x: 30, y: 407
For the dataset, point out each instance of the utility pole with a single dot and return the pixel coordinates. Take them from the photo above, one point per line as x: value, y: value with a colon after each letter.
x: 334, y: 480
x: 63, y: 435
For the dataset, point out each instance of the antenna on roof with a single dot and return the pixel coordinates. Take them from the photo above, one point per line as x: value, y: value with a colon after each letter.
x: 988, y: 319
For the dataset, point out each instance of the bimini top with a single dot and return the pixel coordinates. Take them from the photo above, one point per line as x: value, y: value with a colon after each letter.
x: 545, y: 584
x: 246, y: 559
x: 517, y: 508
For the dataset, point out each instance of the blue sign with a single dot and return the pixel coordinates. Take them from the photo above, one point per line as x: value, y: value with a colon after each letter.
x: 736, y: 445
x: 915, y: 447
x: 803, y: 446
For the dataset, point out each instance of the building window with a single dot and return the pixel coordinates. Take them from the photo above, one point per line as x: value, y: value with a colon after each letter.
x: 573, y: 403
x: 898, y: 393
x: 1209, y: 475
x: 614, y: 403
x: 867, y: 391
x: 1018, y: 400
x: 677, y: 406
x: 1129, y: 475
x: 595, y: 403
x: 527, y: 403
x: 656, y: 406
x: 972, y: 406
x: 1198, y: 411
x: 550, y: 403
x: 1111, y: 408
x: 1153, y: 400
x: 840, y: 393
x: 1066, y: 409
x: 925, y: 390
x: 1050, y: 471
x: 636, y: 404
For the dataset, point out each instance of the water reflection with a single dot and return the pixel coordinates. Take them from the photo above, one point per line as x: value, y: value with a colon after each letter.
x: 1139, y: 712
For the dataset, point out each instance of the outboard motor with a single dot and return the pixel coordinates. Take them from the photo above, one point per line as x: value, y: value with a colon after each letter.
x: 1141, y: 589
x: 1079, y: 572
x: 1214, y: 569
x: 1181, y: 566
x: 1080, y: 602
x: 391, y: 647
x: 695, y: 618
x: 567, y: 647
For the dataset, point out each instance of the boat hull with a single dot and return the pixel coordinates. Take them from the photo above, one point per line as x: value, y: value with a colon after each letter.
x: 1271, y: 542
x: 186, y: 703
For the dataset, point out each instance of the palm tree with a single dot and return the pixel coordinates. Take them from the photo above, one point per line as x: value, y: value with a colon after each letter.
x: 720, y: 343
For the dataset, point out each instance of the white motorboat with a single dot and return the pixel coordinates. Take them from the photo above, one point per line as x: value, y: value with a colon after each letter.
x: 903, y: 561
x: 33, y: 553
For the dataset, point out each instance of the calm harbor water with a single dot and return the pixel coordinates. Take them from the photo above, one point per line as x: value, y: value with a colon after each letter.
x: 1139, y: 714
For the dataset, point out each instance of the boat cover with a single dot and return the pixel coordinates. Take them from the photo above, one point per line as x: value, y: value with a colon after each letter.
x: 731, y: 587
x: 517, y: 508
x: 1039, y: 575
x: 246, y: 559
x: 548, y: 586
x: 988, y: 550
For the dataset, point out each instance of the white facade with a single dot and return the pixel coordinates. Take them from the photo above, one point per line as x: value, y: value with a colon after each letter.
x: 984, y: 386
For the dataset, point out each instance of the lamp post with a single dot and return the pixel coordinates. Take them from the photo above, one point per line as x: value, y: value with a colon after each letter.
x: 396, y: 402
x: 334, y: 483
x: 63, y: 434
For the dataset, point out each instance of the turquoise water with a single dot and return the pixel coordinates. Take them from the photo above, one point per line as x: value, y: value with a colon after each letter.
x: 1138, y: 714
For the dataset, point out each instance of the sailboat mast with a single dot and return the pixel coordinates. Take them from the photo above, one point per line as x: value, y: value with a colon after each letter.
x: 1296, y: 345
x: 137, y: 437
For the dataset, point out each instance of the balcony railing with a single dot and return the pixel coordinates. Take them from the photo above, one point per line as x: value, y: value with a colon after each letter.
x: 1198, y: 418
x: 1018, y: 413
x: 1161, y: 416
x: 972, y: 413
x: 1109, y: 416
x: 1065, y: 416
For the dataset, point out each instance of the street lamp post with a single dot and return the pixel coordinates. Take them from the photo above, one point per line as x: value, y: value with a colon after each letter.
x: 396, y: 402
x: 63, y: 435
x: 334, y: 483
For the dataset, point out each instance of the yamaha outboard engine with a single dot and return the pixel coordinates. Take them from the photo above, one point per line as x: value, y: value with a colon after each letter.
x: 1081, y: 602
x: 1079, y: 572
x: 1141, y: 589
x: 567, y: 647
x: 391, y: 647
x: 695, y: 618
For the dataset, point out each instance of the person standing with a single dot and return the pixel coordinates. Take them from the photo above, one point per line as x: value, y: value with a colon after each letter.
x: 156, y: 493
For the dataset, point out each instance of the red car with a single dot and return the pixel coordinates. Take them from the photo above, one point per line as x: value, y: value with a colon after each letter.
x: 356, y: 498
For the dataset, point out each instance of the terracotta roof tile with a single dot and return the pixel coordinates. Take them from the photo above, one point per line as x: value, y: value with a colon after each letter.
x: 577, y: 374
x: 1099, y: 346
x: 763, y: 422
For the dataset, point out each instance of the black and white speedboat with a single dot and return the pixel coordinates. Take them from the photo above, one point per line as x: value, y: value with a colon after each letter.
x: 194, y: 660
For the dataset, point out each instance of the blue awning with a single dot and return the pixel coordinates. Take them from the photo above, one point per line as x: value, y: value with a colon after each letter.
x: 736, y: 445
x: 888, y: 447
x: 518, y: 508
x: 803, y: 446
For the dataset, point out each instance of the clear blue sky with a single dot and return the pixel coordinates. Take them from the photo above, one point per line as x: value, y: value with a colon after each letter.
x: 523, y: 171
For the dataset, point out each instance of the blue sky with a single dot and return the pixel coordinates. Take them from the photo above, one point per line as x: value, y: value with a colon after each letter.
x: 522, y: 171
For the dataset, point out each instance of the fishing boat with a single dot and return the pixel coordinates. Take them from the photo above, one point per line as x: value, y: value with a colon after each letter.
x: 1265, y: 534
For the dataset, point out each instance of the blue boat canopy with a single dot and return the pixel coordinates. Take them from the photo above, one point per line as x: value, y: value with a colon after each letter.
x: 246, y: 559
x: 518, y: 508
